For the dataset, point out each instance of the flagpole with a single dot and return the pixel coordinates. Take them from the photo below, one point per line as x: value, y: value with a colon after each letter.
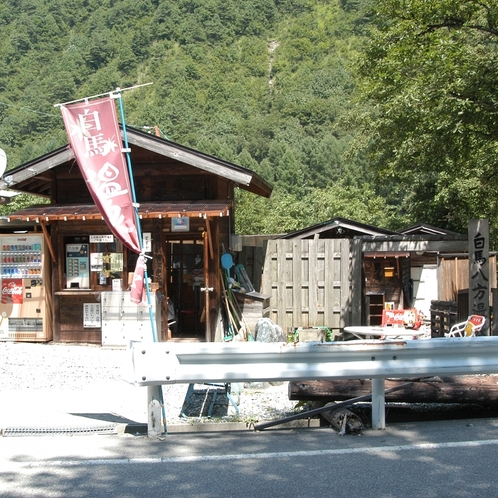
x: 134, y: 198
x: 102, y: 94
x: 91, y: 166
x: 154, y: 393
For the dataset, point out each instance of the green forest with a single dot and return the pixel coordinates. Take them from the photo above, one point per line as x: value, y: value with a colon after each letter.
x: 382, y: 111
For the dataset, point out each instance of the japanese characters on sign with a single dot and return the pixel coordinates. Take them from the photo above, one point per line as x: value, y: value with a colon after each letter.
x: 479, y: 268
x: 137, y: 288
x: 94, y: 134
x: 98, y: 239
x: 91, y: 315
x: 95, y: 137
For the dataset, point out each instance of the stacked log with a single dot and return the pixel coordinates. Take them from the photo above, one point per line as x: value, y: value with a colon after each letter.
x: 480, y: 389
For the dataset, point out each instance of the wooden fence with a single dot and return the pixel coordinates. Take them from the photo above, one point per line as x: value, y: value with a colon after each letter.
x: 319, y: 282
x: 453, y: 275
x: 309, y: 282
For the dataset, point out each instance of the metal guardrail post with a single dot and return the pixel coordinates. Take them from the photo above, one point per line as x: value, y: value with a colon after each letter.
x: 378, y: 404
x: 155, y: 364
x: 156, y: 425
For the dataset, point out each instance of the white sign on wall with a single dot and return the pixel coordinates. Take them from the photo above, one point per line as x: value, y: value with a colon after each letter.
x: 100, y: 239
x: 91, y: 315
x: 147, y: 241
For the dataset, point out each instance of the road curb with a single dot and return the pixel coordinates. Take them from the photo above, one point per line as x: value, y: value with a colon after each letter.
x: 199, y: 427
x: 123, y: 429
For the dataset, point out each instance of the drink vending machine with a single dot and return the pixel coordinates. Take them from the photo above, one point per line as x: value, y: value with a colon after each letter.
x: 23, y: 309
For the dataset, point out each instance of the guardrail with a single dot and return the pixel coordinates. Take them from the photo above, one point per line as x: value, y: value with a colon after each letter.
x: 158, y: 363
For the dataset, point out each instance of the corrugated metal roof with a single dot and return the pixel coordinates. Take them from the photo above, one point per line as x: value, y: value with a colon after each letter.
x: 48, y: 212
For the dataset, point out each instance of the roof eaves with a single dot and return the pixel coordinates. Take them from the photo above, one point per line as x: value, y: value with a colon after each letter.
x: 84, y: 212
x: 37, y: 166
x: 338, y: 222
x: 239, y: 175
x: 243, y: 177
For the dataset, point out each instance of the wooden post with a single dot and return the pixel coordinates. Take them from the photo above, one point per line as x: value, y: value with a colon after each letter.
x: 208, y: 249
x: 479, y: 270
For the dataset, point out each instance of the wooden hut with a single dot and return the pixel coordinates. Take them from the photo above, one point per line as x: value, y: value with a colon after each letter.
x: 341, y: 272
x: 186, y: 201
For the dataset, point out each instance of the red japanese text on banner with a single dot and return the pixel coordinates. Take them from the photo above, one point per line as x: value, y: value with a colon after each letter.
x: 137, y: 286
x: 94, y: 135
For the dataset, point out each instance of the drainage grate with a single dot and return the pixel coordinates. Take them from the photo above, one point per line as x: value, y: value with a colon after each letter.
x: 59, y: 431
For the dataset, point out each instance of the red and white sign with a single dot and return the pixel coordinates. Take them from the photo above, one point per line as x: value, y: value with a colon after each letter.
x: 12, y: 291
x: 137, y: 286
x: 94, y: 135
x: 408, y: 318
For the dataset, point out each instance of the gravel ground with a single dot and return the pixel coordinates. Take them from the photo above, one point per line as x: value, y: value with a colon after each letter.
x: 61, y: 373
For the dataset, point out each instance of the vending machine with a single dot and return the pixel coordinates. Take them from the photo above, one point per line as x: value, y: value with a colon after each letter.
x: 77, y: 266
x: 23, y: 309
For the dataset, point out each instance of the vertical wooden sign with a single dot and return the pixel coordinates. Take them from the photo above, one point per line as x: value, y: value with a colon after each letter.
x: 479, y: 270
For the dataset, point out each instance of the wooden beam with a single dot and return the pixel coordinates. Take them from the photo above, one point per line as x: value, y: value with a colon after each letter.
x: 209, y: 239
x: 48, y: 241
x: 49, y: 162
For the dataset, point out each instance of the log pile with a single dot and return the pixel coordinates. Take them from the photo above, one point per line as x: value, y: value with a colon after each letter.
x: 481, y: 389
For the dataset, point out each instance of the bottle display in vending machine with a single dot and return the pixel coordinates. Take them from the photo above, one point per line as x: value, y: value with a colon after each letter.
x: 21, y: 257
x: 77, y: 266
x: 22, y: 303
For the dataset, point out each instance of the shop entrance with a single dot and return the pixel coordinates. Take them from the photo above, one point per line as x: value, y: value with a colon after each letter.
x: 185, y: 277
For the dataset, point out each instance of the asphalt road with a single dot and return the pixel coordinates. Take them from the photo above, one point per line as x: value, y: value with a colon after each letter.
x: 424, y: 459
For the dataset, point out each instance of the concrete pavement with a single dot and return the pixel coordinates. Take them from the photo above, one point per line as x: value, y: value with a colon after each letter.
x: 105, y: 405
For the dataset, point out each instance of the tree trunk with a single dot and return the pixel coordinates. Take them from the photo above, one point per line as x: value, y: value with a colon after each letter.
x: 458, y: 389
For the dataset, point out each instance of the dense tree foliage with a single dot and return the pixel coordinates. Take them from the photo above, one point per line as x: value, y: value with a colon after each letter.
x: 270, y: 85
x: 430, y: 107
x: 261, y: 83
x: 290, y: 213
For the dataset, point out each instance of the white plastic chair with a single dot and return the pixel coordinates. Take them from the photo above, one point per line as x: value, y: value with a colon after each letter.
x: 473, y: 324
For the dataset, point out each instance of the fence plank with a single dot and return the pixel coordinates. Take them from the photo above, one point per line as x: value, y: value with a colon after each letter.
x: 297, y: 308
x: 329, y: 288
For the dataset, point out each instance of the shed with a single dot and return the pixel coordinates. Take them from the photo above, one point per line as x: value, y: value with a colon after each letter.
x: 341, y: 272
